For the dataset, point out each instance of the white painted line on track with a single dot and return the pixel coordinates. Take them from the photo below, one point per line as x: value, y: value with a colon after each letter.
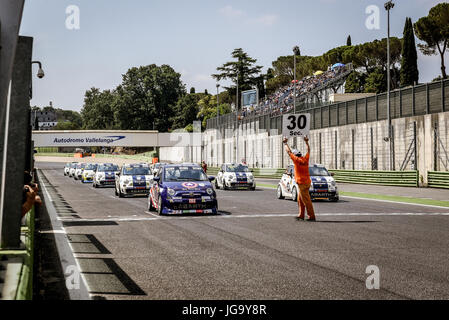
x: 249, y: 216
x: 397, y: 202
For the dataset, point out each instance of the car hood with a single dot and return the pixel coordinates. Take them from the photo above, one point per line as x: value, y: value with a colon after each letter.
x: 188, y: 185
x: 322, y: 179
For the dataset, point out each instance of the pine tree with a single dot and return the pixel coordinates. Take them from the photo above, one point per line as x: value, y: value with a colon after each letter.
x: 409, y: 63
x: 349, y: 41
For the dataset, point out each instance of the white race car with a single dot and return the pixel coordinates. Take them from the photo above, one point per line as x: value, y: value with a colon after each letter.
x: 72, y: 169
x: 155, y: 168
x: 79, y: 170
x: 67, y: 168
x: 89, y: 173
x: 323, y: 184
x: 235, y: 176
x: 105, y: 175
x: 133, y: 179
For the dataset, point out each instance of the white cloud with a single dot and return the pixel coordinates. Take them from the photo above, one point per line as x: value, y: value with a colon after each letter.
x: 266, y: 19
x: 230, y: 12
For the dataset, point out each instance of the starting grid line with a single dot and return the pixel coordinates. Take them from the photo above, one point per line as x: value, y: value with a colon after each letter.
x: 222, y: 216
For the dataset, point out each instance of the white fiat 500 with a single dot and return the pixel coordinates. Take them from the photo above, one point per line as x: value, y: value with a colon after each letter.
x: 79, y: 170
x: 133, y: 179
x: 72, y: 169
x: 89, y: 173
x: 105, y: 175
x: 67, y: 167
x: 323, y: 184
x: 235, y: 176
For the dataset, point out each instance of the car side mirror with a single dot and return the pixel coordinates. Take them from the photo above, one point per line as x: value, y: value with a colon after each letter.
x: 332, y: 174
x: 211, y: 178
x: 118, y: 173
x: 251, y: 170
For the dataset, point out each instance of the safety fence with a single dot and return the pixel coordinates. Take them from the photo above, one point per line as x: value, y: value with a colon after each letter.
x: 16, y: 266
x: 438, y: 179
x: 386, y: 178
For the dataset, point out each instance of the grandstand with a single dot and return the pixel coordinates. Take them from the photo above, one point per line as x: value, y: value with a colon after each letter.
x: 315, y: 89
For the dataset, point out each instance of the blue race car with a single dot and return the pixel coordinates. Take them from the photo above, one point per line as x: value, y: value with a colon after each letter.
x: 182, y: 188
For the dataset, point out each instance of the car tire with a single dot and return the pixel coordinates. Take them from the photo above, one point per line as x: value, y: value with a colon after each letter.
x: 295, y: 194
x: 159, y: 206
x: 115, y: 191
x: 279, y: 192
x: 150, y: 204
x: 335, y: 199
x: 216, y: 184
x: 120, y: 194
x: 225, y: 187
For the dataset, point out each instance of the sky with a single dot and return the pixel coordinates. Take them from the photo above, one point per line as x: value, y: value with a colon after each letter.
x: 194, y: 37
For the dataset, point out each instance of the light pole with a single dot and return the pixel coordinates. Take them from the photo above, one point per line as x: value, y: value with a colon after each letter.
x: 237, y: 120
x: 295, y: 53
x: 388, y: 6
x: 218, y: 115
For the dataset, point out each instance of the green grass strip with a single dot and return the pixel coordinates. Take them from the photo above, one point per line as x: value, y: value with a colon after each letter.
x: 438, y: 203
x: 266, y: 185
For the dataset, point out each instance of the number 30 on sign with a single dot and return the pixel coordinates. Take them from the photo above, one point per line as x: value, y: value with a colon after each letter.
x: 296, y: 125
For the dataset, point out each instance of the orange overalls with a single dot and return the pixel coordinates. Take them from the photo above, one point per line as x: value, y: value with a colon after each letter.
x: 302, y: 178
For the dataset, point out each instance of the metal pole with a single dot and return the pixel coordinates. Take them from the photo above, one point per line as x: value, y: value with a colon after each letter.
x: 388, y: 6
x: 294, y: 84
x: 237, y: 120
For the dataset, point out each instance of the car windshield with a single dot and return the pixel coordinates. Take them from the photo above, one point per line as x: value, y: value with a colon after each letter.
x: 318, y: 171
x: 73, y: 165
x: 91, y: 166
x: 184, y: 173
x: 132, y: 171
x: 80, y: 165
x: 237, y: 168
x: 103, y: 168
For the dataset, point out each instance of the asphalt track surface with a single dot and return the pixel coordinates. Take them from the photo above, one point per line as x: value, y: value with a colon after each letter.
x: 254, y: 249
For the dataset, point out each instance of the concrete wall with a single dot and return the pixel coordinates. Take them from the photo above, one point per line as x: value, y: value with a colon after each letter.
x: 355, y: 146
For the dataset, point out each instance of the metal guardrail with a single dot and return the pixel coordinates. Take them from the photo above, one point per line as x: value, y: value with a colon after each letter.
x: 386, y: 178
x: 438, y: 179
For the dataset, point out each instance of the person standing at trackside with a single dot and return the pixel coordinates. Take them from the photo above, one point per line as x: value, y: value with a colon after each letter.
x: 204, y: 166
x: 303, y: 180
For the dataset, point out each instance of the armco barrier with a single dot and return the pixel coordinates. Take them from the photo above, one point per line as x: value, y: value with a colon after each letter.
x: 387, y: 178
x: 257, y: 172
x: 438, y: 179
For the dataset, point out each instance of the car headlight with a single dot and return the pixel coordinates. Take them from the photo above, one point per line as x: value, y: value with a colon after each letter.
x: 333, y: 183
x: 171, y: 192
x: 100, y: 176
x: 210, y: 191
x: 127, y: 181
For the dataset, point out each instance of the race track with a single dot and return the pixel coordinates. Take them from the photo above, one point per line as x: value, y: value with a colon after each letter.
x: 254, y: 249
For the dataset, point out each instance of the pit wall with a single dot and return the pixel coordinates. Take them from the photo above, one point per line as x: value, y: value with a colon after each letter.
x: 351, y: 147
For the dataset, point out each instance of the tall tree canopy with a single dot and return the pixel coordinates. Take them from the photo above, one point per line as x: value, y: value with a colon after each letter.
x: 244, y: 67
x: 434, y: 31
x: 147, y: 97
x: 97, y: 112
x: 409, y: 63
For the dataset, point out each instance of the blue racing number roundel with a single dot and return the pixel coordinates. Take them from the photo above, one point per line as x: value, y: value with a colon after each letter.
x: 190, y: 185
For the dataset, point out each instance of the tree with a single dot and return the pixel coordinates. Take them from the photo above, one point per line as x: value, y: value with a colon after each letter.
x: 434, y: 31
x: 208, y: 109
x: 376, y: 81
x: 349, y: 41
x: 355, y: 82
x: 66, y: 125
x: 244, y: 68
x: 192, y: 90
x: 409, y: 65
x: 97, y: 112
x: 186, y: 110
x: 146, y: 98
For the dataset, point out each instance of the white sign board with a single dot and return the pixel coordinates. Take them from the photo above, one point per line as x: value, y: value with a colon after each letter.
x: 296, y: 125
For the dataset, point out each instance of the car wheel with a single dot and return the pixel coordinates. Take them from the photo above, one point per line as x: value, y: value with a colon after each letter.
x: 335, y: 199
x: 159, y: 206
x: 150, y: 204
x: 216, y: 184
x: 225, y: 187
x: 120, y: 194
x: 294, y: 194
x: 279, y: 193
x: 115, y: 190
